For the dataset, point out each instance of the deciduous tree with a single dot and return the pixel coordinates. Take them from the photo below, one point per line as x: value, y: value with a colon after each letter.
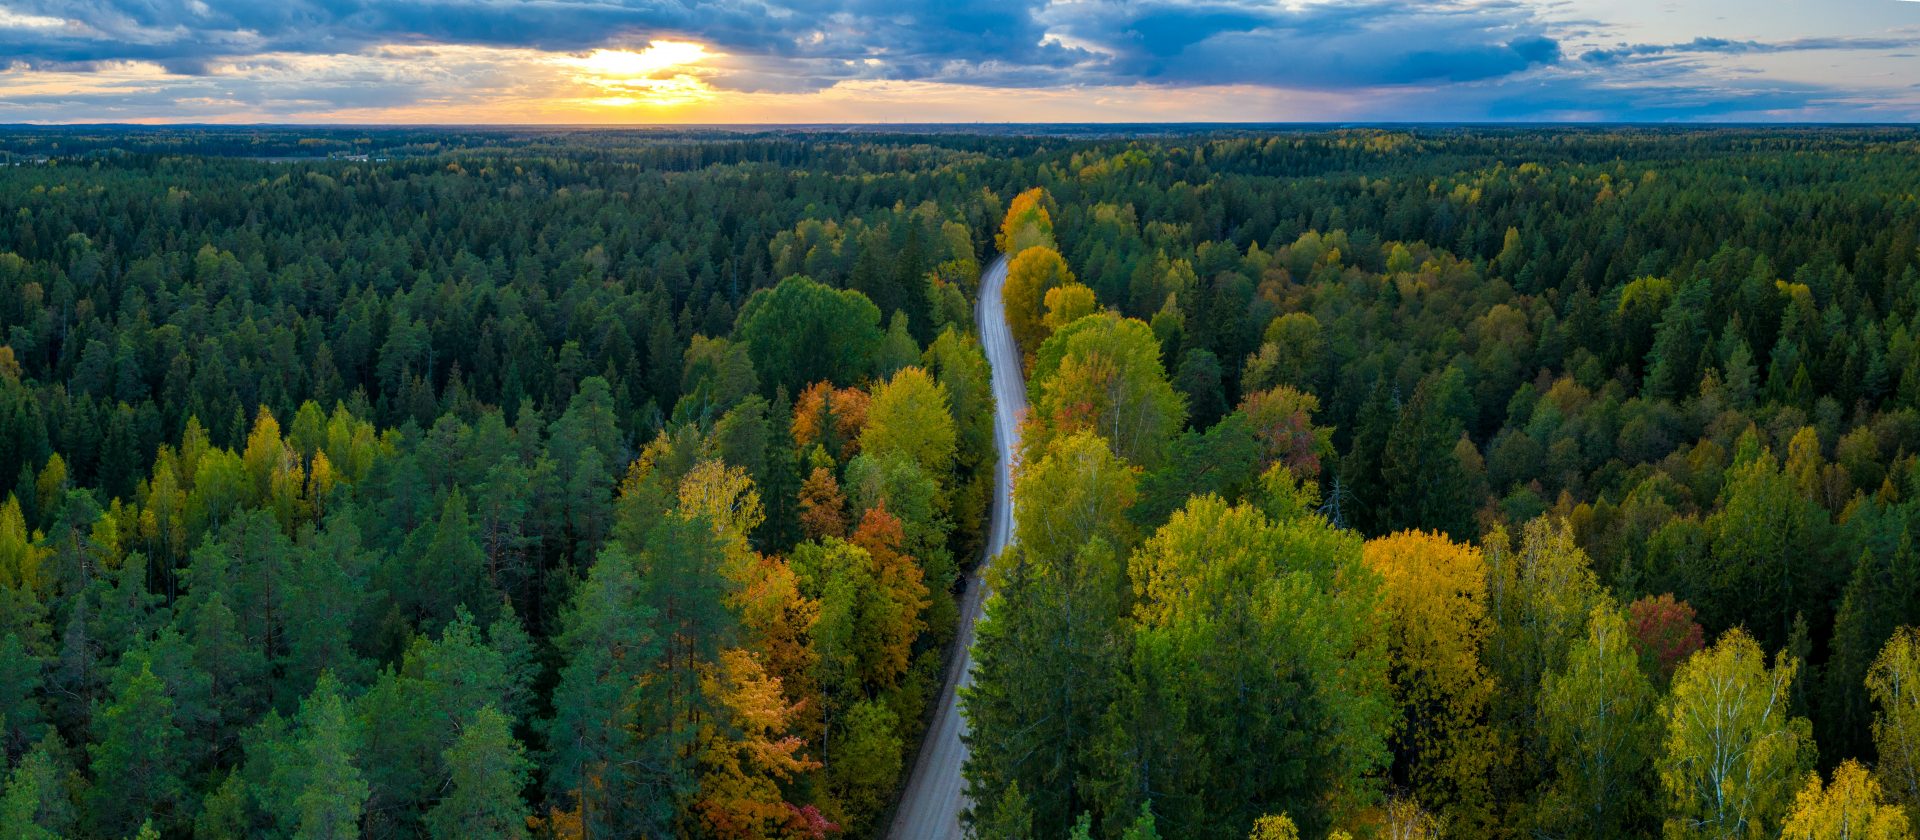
x: 1103, y: 375
x: 1734, y: 752
x: 910, y: 415
x: 1851, y: 808
x: 1435, y: 611
x: 1894, y: 684
x: 1599, y: 727
x: 1032, y: 274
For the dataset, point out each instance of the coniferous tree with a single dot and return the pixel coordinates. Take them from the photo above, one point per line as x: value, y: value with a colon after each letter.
x: 137, y: 754
x: 1426, y: 486
x: 487, y: 771
x: 332, y: 793
x: 33, y: 802
x: 1881, y: 597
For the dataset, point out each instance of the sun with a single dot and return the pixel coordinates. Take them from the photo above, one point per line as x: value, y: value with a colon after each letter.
x: 665, y: 74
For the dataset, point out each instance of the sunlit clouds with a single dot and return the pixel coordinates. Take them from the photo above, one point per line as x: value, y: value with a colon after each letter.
x: 664, y: 75
x: 762, y: 61
x: 10, y: 19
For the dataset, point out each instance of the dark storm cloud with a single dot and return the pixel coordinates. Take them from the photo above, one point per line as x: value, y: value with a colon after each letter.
x: 804, y: 44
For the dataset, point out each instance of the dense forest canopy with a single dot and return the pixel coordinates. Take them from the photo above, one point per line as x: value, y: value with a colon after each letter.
x: 1386, y: 482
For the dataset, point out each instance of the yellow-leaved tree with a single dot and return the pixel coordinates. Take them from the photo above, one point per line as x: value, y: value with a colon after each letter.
x: 910, y: 415
x: 1734, y: 750
x: 1033, y: 273
x: 1027, y: 223
x: 1103, y: 375
x: 1894, y: 683
x: 1851, y: 808
x: 1067, y: 304
x: 1272, y: 827
x: 1437, y: 626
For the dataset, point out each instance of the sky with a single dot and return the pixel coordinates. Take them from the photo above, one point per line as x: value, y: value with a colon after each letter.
x: 903, y: 61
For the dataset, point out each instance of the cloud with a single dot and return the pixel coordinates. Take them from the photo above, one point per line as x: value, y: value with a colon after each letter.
x: 1318, y: 46
x: 1243, y: 59
x: 819, y: 42
x: 1724, y: 46
x: 806, y: 44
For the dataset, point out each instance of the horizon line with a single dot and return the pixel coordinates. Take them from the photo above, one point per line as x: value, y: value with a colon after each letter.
x: 977, y: 123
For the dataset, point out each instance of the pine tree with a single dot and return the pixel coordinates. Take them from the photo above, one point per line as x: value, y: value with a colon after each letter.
x: 333, y: 795
x: 488, y: 770
x: 1359, y: 471
x: 780, y: 486
x: 1049, y: 653
x: 1009, y: 818
x: 1143, y: 828
x: 137, y: 756
x: 33, y: 802
x: 21, y: 717
x: 452, y: 571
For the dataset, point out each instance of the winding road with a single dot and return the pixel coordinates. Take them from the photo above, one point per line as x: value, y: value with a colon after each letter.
x: 935, y: 794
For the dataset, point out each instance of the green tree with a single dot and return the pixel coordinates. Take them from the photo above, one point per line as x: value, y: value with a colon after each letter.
x: 1144, y: 827
x: 1224, y: 460
x: 1540, y: 596
x: 138, y: 753
x: 1010, y: 818
x: 1427, y: 486
x: 326, y: 600
x: 33, y: 802
x: 1103, y: 374
x: 333, y: 793
x: 1359, y: 493
x: 1599, y: 728
x: 910, y: 415
x: 716, y: 376
x: 607, y: 643
x: 801, y: 332
x: 1050, y: 649
x: 1198, y: 380
x: 1882, y: 596
x: 1679, y: 342
x: 487, y: 771
x: 1768, y: 549
x: 451, y: 570
x: 865, y: 763
x: 1253, y: 638
x: 21, y: 717
x: 897, y: 348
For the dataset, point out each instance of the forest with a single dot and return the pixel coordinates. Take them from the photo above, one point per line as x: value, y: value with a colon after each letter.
x: 1377, y: 483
